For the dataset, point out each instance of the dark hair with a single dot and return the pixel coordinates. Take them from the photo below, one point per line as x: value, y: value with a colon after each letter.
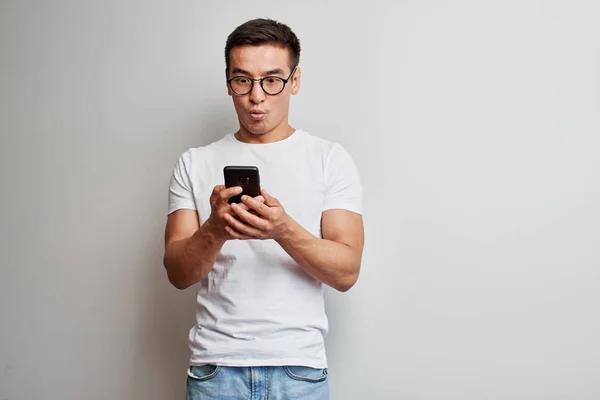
x: 264, y: 31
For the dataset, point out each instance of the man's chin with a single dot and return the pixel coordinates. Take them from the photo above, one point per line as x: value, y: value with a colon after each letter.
x: 257, y: 129
x: 257, y: 133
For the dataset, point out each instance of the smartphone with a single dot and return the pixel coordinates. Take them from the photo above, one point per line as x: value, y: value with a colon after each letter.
x: 246, y: 177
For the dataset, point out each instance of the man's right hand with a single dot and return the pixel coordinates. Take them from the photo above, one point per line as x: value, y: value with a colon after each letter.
x: 219, y: 207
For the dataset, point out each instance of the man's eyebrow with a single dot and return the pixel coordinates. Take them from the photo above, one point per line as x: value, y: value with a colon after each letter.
x: 276, y: 71
x: 237, y: 70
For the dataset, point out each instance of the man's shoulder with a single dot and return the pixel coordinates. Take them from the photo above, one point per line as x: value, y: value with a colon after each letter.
x: 333, y: 153
x: 224, y: 141
x: 324, y: 144
x: 193, y: 152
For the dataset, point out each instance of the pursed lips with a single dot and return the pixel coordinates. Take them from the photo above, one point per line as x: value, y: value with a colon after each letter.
x: 257, y: 115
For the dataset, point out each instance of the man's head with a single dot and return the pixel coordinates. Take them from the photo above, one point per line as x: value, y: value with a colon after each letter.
x: 259, y: 32
x: 257, y: 49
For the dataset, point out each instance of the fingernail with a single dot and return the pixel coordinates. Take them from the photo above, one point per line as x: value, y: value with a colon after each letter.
x: 244, y: 198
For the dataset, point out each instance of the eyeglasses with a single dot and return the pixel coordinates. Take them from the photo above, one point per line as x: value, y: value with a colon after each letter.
x: 272, y: 85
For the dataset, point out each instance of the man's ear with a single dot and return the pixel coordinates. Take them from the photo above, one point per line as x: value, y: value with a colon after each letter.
x: 296, y: 79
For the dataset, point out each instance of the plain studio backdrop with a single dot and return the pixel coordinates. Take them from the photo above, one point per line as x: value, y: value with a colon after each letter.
x: 475, y: 127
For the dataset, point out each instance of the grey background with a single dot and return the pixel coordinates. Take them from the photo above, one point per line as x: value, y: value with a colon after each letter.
x: 474, y: 125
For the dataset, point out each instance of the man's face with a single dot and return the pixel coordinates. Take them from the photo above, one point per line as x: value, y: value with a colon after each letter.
x: 257, y: 111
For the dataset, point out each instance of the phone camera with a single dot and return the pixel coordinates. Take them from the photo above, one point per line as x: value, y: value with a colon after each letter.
x: 245, y: 179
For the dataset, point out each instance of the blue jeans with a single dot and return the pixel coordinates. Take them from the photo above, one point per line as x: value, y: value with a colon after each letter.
x: 210, y: 382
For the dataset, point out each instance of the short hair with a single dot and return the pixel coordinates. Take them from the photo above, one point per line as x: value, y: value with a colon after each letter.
x: 264, y: 31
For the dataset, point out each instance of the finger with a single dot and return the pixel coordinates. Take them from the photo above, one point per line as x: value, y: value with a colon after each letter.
x: 245, y: 207
x: 242, y: 205
x: 218, y: 188
x: 242, y: 227
x: 236, y: 235
x: 251, y: 211
x: 269, y: 200
x: 225, y: 194
x: 233, y: 214
x: 256, y: 205
x: 230, y: 212
x: 249, y: 218
x: 215, y: 192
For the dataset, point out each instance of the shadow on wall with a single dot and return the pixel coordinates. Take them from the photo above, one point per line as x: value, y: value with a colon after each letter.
x: 161, y: 339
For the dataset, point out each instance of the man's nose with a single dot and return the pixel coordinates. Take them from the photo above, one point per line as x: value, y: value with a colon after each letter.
x: 257, y: 93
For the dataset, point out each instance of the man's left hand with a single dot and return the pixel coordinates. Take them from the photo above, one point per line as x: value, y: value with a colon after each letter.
x: 269, y: 220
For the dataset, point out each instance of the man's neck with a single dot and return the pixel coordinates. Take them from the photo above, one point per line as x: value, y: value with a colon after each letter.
x: 276, y: 135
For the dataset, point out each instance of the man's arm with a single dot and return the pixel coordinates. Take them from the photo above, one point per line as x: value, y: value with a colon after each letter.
x: 191, y: 249
x: 334, y: 260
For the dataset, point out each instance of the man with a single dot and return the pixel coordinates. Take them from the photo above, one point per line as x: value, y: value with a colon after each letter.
x: 261, y: 264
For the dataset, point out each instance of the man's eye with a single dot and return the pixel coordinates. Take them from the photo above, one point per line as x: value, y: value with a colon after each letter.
x: 271, y: 80
x: 243, y: 81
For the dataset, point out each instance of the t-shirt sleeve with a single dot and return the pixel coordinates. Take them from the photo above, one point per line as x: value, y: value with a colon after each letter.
x: 180, y: 190
x: 344, y: 190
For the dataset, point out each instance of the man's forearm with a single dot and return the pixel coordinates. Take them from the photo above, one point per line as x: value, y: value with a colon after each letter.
x: 332, y: 263
x: 188, y: 261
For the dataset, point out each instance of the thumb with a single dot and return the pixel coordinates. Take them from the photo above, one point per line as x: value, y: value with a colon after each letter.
x: 269, y: 200
x: 215, y: 193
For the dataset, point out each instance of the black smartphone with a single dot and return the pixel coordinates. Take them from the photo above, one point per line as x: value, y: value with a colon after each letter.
x: 246, y: 177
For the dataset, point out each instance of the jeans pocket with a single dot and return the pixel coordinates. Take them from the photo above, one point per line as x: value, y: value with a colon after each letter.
x: 203, y: 372
x: 308, y: 374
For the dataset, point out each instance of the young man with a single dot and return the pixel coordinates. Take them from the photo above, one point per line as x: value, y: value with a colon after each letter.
x: 262, y: 263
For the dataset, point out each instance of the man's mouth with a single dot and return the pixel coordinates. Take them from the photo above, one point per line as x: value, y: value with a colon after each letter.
x: 257, y: 115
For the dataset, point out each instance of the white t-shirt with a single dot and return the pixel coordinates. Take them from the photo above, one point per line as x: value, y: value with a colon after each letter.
x: 257, y: 307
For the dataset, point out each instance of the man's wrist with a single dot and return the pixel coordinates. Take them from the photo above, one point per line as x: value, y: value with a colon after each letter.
x: 293, y: 232
x: 207, y: 230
